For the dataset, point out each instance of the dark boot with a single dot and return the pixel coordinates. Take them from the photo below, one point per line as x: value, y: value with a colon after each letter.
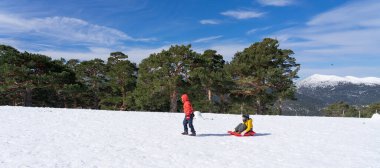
x: 193, y: 134
x: 185, y: 133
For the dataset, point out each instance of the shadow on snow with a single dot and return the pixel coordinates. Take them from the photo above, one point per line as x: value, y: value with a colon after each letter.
x: 223, y: 135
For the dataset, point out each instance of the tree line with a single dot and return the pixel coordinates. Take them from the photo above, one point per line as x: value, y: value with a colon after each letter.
x: 257, y: 80
x: 343, y: 109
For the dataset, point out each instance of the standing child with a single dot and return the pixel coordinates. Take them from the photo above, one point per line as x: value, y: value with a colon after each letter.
x: 189, y: 115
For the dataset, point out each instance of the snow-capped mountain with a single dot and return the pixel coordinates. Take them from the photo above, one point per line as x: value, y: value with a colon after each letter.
x: 318, y: 91
x: 318, y: 80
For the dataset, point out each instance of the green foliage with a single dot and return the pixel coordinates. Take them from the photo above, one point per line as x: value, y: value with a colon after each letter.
x: 369, y: 110
x: 207, y: 75
x: 24, y: 73
x: 162, y: 77
x: 93, y: 75
x: 263, y: 74
x: 122, y: 76
x: 259, y: 78
x: 341, y: 109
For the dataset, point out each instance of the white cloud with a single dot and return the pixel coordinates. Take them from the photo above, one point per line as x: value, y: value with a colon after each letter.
x: 276, y: 2
x: 348, y: 35
x: 350, y: 30
x: 206, y: 39
x: 252, y: 31
x: 209, y: 21
x: 242, y: 14
x: 63, y: 29
x: 138, y: 54
x: 135, y: 54
x: 101, y: 53
x: 228, y: 50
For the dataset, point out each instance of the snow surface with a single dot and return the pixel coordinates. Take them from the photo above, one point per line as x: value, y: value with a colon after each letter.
x: 46, y: 137
x: 332, y: 80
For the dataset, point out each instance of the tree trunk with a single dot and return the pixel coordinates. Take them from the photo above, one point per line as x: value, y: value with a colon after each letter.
x: 209, y: 94
x: 173, y: 101
x: 280, y: 106
x: 75, y: 102
x: 28, y: 97
x: 223, y: 108
x: 65, y: 102
x: 124, y: 96
x: 258, y: 107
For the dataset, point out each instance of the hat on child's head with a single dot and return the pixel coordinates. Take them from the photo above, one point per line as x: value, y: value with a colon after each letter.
x: 246, y: 116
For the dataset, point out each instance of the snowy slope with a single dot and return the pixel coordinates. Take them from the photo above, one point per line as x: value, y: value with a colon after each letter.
x: 44, y: 137
x: 332, y: 80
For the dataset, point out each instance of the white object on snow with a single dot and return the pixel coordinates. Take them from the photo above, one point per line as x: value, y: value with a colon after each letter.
x: 376, y: 116
x: 50, y: 137
x: 198, y: 115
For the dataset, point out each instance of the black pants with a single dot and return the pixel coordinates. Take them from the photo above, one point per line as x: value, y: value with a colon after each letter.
x: 190, y: 122
x: 240, y: 128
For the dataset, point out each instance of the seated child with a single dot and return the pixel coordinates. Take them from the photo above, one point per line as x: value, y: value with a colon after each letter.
x: 246, y: 126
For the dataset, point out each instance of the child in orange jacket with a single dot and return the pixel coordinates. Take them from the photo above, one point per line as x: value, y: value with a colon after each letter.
x: 189, y: 115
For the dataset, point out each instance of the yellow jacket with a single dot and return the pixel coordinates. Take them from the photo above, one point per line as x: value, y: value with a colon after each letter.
x: 249, y: 125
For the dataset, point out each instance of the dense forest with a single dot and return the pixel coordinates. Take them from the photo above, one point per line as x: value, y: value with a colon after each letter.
x: 257, y: 80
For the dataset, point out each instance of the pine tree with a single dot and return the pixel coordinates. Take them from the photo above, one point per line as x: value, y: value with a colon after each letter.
x: 263, y: 74
x: 208, y: 72
x: 163, y: 75
x: 122, y: 79
x: 93, y: 75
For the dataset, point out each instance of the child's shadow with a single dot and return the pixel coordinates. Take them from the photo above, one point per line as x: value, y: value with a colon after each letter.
x: 262, y: 134
x: 223, y: 135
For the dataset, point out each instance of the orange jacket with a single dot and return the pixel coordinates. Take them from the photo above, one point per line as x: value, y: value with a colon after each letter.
x: 187, y: 108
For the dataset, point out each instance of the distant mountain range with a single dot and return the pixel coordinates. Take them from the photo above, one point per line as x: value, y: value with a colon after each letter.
x: 318, y: 91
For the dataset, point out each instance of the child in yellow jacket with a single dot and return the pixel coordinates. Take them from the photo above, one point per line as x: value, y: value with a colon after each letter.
x: 246, y: 126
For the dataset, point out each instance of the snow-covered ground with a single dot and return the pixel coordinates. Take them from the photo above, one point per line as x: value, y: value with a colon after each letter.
x: 45, y: 137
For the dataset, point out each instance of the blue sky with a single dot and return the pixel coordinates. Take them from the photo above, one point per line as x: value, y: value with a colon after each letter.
x: 332, y: 37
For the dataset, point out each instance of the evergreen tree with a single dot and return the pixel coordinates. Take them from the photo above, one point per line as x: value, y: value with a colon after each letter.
x: 24, y: 73
x: 263, y: 74
x: 369, y: 110
x: 93, y: 75
x: 163, y: 75
x: 208, y: 72
x: 340, y: 109
x: 122, y: 76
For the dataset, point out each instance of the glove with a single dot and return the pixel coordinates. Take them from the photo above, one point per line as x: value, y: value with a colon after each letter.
x: 242, y: 133
x: 187, y: 117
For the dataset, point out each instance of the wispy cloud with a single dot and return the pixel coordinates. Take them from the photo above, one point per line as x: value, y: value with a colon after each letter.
x: 209, y: 21
x: 63, y: 29
x: 135, y: 54
x: 347, y: 33
x: 276, y: 2
x: 252, y: 31
x: 92, y: 53
x: 242, y: 14
x: 352, y: 29
x: 206, y: 39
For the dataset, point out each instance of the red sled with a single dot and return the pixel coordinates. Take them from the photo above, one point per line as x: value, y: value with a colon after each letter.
x: 250, y: 133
